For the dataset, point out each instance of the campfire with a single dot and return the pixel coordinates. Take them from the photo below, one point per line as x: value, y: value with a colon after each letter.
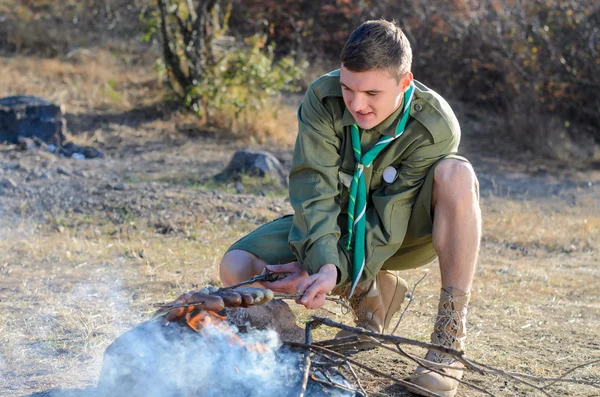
x: 197, y: 346
x: 191, y: 348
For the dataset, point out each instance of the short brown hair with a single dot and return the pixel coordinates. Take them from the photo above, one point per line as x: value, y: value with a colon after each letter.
x: 377, y: 44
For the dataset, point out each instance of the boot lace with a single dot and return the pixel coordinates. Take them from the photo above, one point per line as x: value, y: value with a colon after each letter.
x: 446, y: 329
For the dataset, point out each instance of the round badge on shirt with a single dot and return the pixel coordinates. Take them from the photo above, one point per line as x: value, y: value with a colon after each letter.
x: 389, y: 174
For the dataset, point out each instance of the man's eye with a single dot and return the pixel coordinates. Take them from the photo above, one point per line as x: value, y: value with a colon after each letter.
x: 371, y: 93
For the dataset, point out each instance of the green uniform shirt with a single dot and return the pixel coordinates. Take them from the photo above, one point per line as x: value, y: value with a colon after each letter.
x: 323, y: 165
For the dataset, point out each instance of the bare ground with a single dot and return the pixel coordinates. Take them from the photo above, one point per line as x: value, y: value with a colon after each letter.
x: 89, y: 247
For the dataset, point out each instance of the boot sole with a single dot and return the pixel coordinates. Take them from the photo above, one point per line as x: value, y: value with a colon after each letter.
x: 442, y: 393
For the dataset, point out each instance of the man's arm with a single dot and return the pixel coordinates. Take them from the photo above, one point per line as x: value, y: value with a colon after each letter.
x: 314, y: 187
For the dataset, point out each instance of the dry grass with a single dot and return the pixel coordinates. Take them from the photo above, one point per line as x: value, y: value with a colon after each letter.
x: 97, y: 81
x: 553, y: 226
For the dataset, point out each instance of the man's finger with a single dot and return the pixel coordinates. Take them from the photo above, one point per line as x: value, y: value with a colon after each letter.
x: 317, y: 302
x: 285, y: 268
x: 286, y: 285
x: 312, y: 291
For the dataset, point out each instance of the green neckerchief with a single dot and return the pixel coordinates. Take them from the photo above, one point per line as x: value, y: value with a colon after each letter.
x: 357, y: 204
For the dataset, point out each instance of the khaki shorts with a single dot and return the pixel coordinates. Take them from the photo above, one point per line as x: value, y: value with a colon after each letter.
x: 270, y: 241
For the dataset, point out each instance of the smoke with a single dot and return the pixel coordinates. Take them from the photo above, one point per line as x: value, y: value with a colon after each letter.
x: 155, y: 360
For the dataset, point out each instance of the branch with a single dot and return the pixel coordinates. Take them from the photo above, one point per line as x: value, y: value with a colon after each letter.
x: 404, y: 383
x: 306, y: 361
x: 412, y: 295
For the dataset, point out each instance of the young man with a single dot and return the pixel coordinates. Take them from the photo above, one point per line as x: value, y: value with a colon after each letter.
x: 376, y: 187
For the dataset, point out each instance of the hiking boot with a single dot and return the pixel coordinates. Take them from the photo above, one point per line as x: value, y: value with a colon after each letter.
x: 450, y: 330
x: 374, y: 303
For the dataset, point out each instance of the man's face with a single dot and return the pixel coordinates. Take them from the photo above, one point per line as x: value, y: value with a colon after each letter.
x: 373, y: 95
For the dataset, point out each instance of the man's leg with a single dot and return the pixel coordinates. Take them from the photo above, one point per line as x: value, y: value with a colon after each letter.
x: 247, y: 257
x: 456, y: 236
x: 456, y: 222
x: 239, y: 265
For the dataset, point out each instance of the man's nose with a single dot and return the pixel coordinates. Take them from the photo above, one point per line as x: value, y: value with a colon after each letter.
x: 358, y: 103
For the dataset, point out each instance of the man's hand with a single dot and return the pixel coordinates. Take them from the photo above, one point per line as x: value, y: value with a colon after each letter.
x: 289, y: 284
x: 316, y: 287
x: 313, y: 288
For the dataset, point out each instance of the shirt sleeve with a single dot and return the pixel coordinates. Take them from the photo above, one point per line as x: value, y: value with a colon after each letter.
x: 387, y: 219
x: 314, y: 187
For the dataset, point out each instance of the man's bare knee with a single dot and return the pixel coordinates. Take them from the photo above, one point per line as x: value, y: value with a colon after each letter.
x: 239, y: 265
x: 455, y: 180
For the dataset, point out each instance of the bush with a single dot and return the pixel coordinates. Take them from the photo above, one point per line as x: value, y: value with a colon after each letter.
x: 534, y: 62
x: 220, y: 78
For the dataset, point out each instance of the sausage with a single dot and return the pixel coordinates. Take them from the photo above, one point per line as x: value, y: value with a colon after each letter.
x: 178, y: 313
x: 258, y: 294
x: 208, y: 302
x: 269, y: 295
x: 230, y: 298
x: 247, y: 299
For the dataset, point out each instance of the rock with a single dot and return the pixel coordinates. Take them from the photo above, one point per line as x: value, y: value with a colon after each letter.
x: 26, y: 144
x: 28, y: 117
x: 8, y: 183
x: 70, y: 149
x: 64, y: 171
x: 275, y: 315
x: 255, y: 163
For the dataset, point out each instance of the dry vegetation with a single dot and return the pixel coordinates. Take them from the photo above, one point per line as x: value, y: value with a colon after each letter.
x: 71, y: 282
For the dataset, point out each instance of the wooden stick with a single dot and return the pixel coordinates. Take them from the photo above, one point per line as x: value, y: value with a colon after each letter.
x: 328, y: 298
x: 306, y: 361
x: 458, y: 355
x: 356, y: 378
x: 412, y: 295
x: 408, y: 385
x: 267, y: 276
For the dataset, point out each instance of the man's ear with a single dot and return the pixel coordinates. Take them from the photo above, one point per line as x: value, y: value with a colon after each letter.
x: 405, y: 81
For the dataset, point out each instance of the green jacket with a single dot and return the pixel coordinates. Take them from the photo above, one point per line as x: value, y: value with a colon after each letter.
x: 324, y: 163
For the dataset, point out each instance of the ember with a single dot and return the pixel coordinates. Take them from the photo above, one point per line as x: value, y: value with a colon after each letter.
x: 199, y: 353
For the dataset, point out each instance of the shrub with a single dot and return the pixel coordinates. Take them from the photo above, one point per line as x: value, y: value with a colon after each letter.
x: 220, y: 78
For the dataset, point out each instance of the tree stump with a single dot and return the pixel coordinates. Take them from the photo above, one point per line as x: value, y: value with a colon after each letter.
x: 31, y: 117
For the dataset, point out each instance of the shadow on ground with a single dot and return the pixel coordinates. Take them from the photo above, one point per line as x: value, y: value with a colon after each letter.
x: 134, y: 118
x: 60, y: 392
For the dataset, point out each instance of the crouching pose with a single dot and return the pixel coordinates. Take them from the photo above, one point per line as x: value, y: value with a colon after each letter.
x: 376, y: 188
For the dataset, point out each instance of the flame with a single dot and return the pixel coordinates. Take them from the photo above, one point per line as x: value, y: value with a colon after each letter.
x: 198, y: 320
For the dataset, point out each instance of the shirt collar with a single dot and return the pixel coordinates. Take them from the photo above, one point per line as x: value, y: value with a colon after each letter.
x: 386, y: 127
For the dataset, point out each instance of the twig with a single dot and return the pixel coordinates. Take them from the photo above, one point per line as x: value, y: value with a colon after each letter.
x: 306, y: 361
x: 408, y: 385
x: 495, y: 371
x: 268, y: 276
x: 398, y: 339
x: 563, y: 379
x: 356, y: 378
x: 328, y: 298
x: 473, y: 365
x: 329, y: 382
x: 424, y: 364
x: 412, y: 295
